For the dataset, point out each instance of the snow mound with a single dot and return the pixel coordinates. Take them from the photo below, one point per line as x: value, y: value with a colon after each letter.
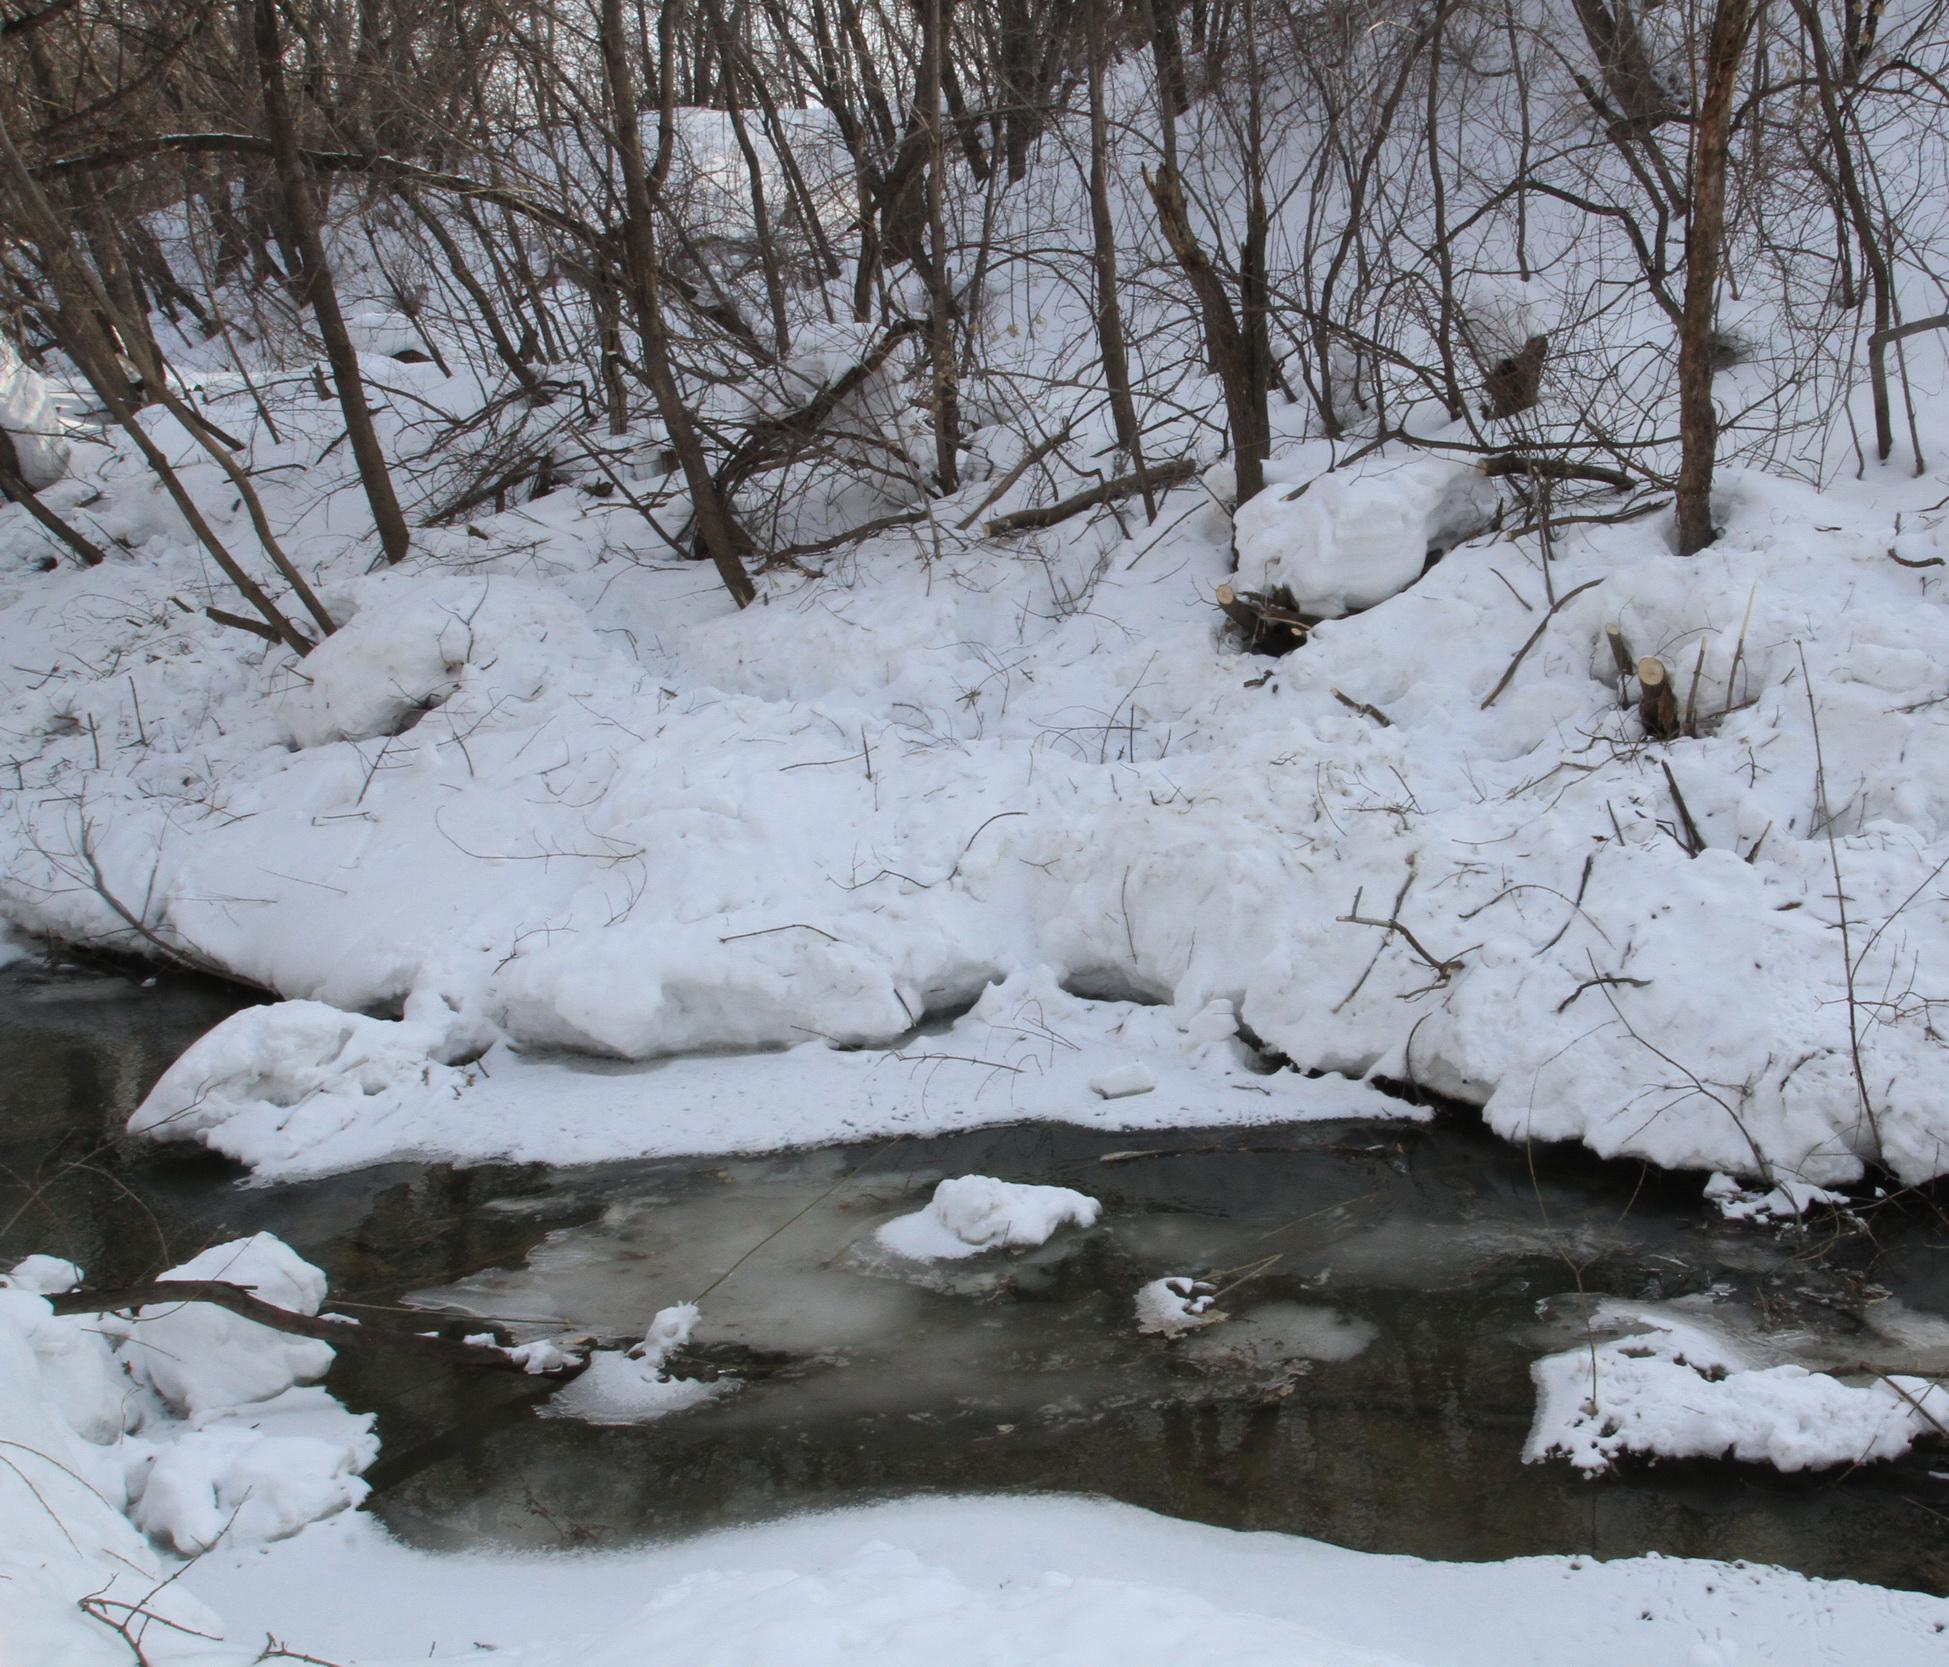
x: 1675, y: 1389
x: 414, y: 642
x: 1355, y: 537
x: 45, y: 1276
x: 633, y: 1387
x: 258, y: 1472
x: 201, y: 1359
x: 614, y: 1389
x: 277, y: 1080
x: 969, y: 1214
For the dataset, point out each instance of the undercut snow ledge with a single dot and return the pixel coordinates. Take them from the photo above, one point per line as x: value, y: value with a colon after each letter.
x: 1675, y: 1390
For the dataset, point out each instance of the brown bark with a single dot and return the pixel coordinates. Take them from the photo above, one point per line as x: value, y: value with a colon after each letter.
x: 946, y: 393
x: 1658, y: 705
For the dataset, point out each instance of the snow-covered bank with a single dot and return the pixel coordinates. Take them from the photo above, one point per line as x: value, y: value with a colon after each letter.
x: 1006, y: 1582
x: 303, y: 1089
x: 623, y: 821
x: 185, y: 1424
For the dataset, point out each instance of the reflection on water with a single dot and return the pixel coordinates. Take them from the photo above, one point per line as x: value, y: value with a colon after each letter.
x: 1387, y: 1292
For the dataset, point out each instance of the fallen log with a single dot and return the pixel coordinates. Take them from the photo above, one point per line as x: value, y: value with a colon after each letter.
x: 1161, y: 478
x: 341, y: 1333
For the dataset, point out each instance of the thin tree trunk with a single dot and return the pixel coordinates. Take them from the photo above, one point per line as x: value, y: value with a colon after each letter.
x: 1705, y: 235
x: 714, y: 527
x: 1109, y: 315
x: 316, y: 287
x: 940, y: 332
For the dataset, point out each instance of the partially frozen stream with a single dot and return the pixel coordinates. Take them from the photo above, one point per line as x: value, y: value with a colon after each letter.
x: 1371, y: 1387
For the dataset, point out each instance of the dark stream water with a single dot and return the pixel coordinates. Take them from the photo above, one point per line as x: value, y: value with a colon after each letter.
x: 1371, y: 1388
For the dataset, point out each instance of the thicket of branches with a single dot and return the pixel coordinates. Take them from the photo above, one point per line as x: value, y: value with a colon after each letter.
x: 832, y: 259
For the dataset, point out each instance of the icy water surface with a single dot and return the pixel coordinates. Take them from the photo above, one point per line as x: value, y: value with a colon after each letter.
x: 1390, y: 1286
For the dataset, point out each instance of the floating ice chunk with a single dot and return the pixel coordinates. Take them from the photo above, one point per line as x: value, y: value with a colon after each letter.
x: 617, y: 1389
x: 1122, y: 1081
x: 1176, y: 1304
x: 1674, y: 1389
x: 972, y: 1213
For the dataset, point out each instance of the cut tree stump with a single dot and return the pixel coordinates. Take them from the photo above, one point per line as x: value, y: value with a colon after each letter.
x: 1266, y: 626
x: 1658, y: 705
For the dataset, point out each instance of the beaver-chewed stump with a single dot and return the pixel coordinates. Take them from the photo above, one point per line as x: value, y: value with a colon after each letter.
x: 1269, y: 624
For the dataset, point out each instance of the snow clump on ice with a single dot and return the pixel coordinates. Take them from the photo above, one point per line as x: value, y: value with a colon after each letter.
x: 972, y: 1213
x: 1176, y: 1304
x: 633, y: 1387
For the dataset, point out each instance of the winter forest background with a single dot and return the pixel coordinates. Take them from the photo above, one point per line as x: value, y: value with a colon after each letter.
x: 648, y: 582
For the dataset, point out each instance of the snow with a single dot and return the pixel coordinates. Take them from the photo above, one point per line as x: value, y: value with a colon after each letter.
x: 1001, y: 1581
x: 617, y: 1389
x: 1789, y: 1201
x: 1176, y: 1304
x: 547, y: 854
x: 1674, y: 1386
x: 1122, y: 1081
x: 1352, y: 538
x: 94, y: 1465
x: 31, y: 421
x: 970, y: 1214
x: 201, y: 1359
x: 256, y: 1472
x: 297, y: 1089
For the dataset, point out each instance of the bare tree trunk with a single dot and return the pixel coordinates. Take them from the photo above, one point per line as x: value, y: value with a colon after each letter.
x: 1231, y: 358
x: 1705, y: 235
x: 714, y: 527
x: 940, y: 332
x: 1109, y: 315
x: 316, y: 286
